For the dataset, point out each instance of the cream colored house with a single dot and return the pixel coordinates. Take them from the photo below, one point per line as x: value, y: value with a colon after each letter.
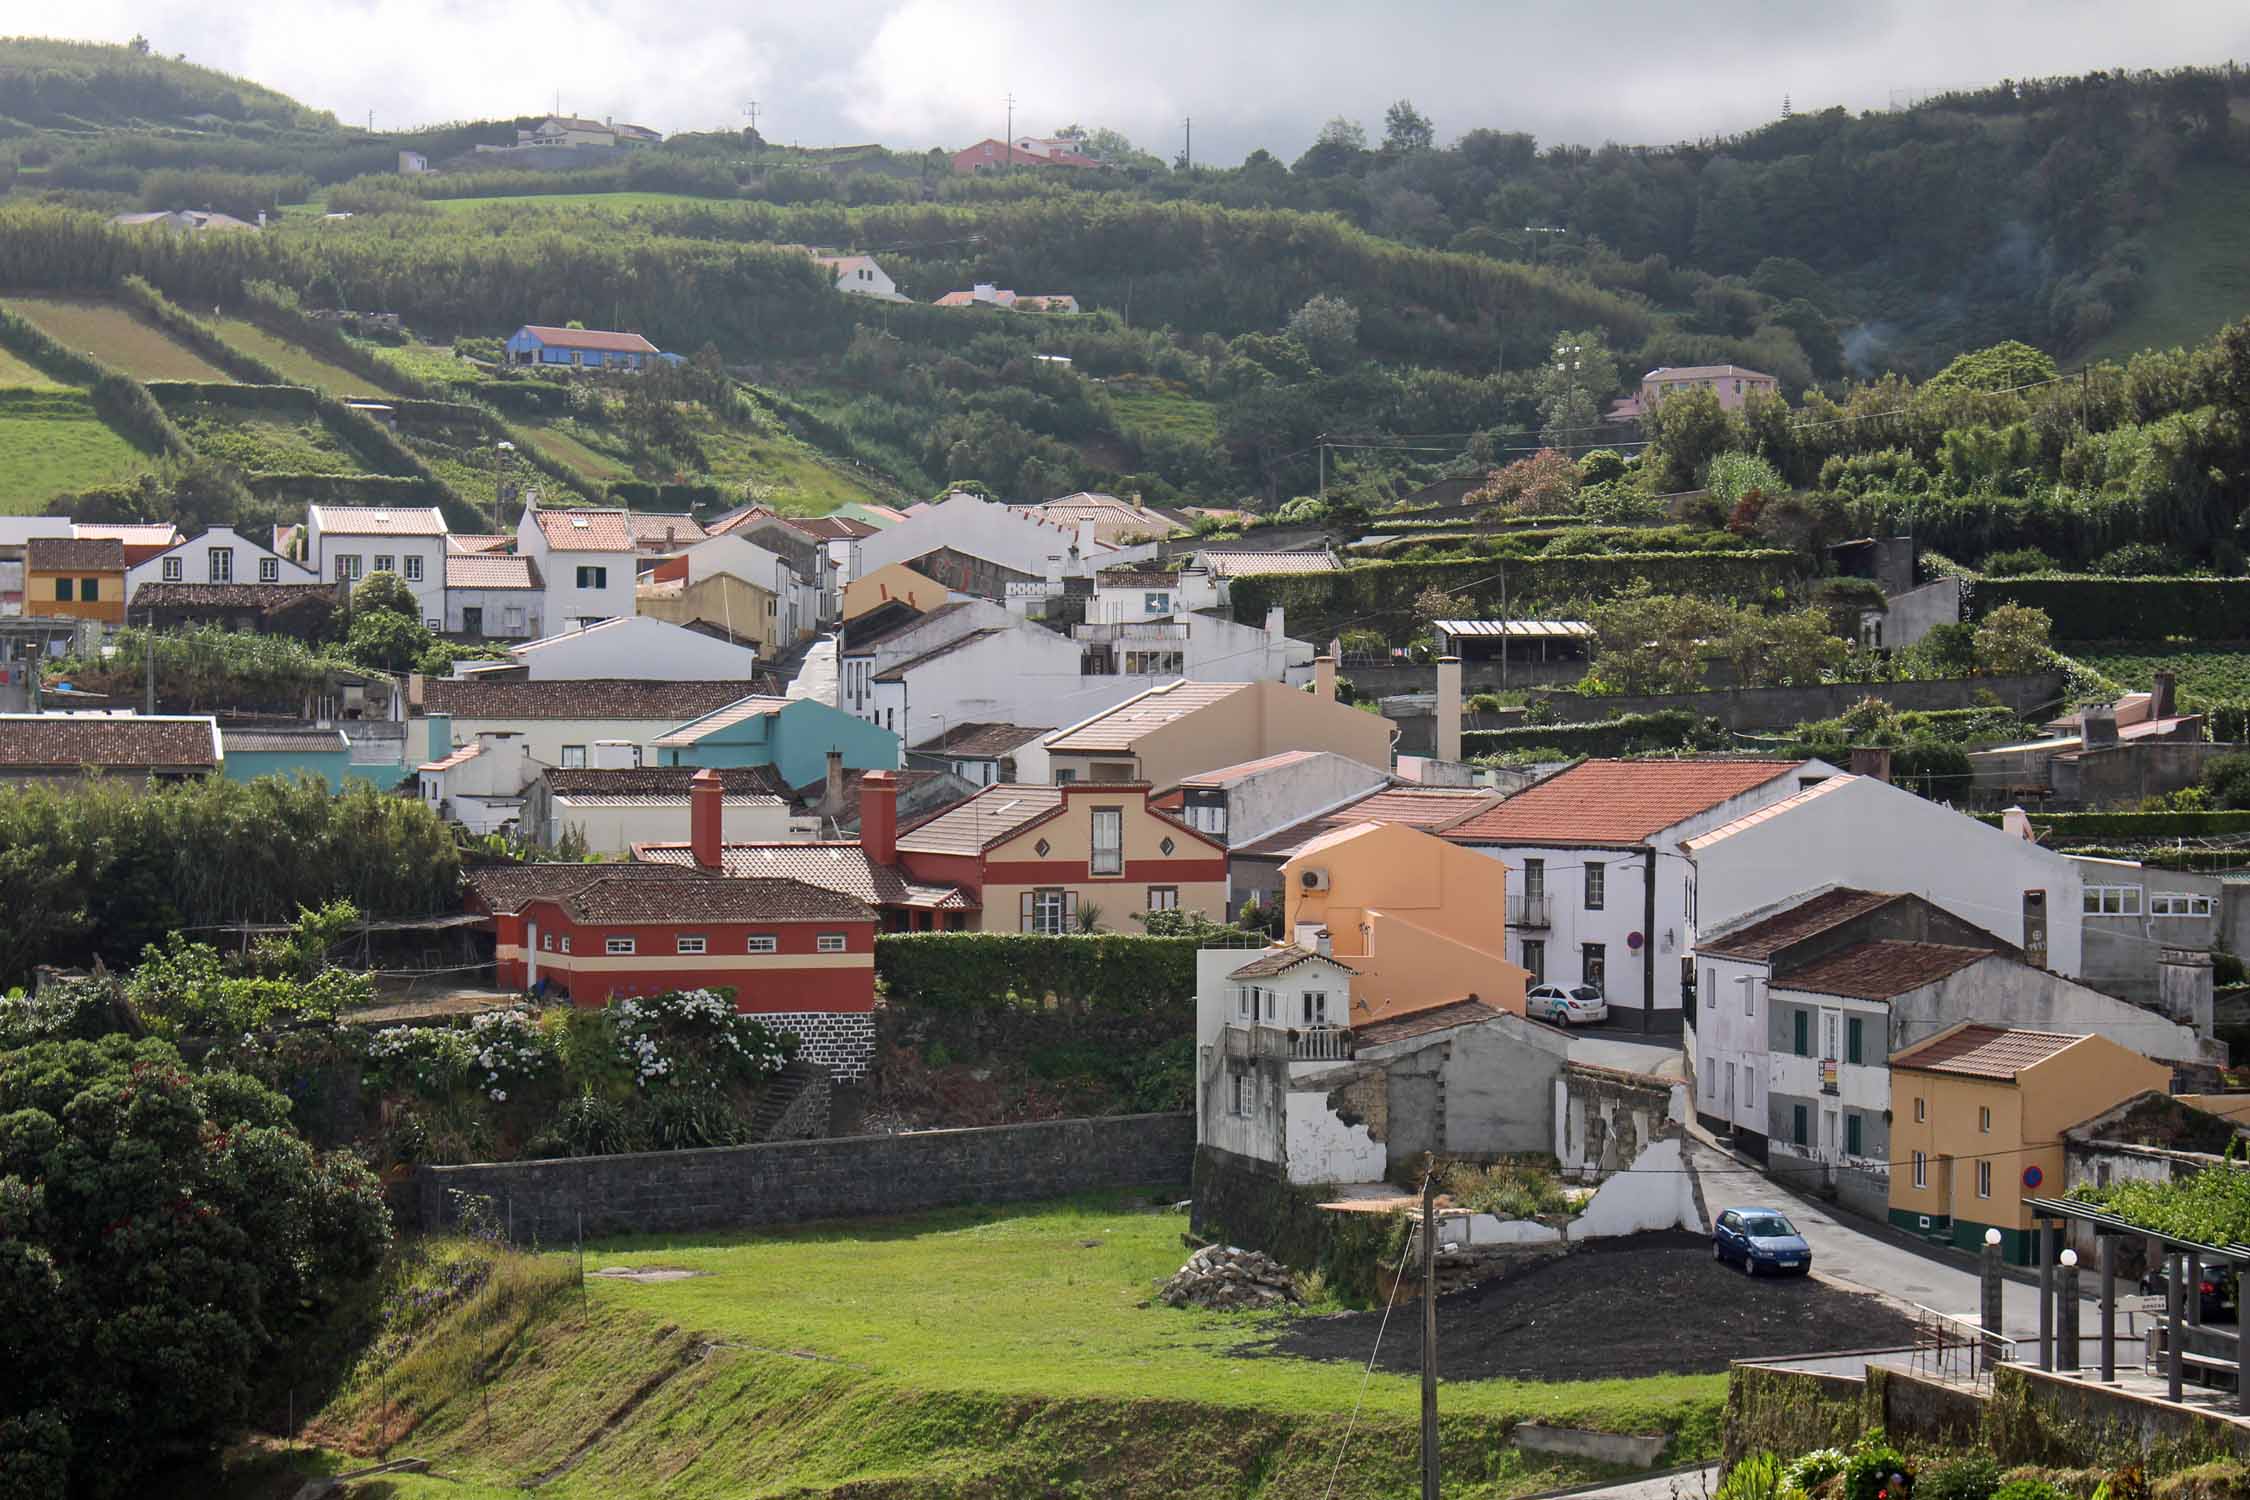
x: 1169, y: 733
x: 745, y: 610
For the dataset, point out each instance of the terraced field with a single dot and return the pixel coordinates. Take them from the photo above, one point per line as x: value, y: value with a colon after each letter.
x: 435, y: 362
x: 779, y: 471
x: 51, y: 443
x: 265, y: 442
x: 573, y: 452
x: 300, y: 365
x: 2203, y: 673
x: 15, y: 374
x: 117, y: 338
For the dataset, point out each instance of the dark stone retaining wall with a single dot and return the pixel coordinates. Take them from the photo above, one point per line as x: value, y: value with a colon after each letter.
x: 777, y: 1182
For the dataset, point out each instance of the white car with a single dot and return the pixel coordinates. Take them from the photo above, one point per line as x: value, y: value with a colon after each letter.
x: 1566, y: 1005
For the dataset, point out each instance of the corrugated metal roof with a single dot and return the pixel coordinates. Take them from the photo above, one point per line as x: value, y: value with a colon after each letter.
x: 1517, y: 629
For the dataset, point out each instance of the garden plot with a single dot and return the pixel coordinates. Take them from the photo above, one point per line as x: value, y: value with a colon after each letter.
x: 117, y: 337
x: 300, y: 365
x: 53, y: 442
x: 264, y: 440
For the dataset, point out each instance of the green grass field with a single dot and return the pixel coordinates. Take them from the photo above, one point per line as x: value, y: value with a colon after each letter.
x: 570, y: 449
x: 15, y: 374
x: 779, y: 471
x: 433, y: 362
x: 1147, y: 405
x: 117, y: 338
x: 300, y: 365
x: 2198, y: 276
x: 51, y: 442
x: 567, y: 200
x: 265, y: 442
x: 2203, y: 673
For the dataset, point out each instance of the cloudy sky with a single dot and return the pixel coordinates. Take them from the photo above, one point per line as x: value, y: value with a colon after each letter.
x: 915, y: 73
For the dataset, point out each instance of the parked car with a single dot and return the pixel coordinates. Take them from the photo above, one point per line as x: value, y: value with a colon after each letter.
x: 2216, y: 1285
x: 1760, y: 1239
x: 1566, y: 1004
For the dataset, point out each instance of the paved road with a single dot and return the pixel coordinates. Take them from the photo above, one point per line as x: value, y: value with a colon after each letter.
x: 1693, y: 1484
x: 1609, y: 1050
x: 1864, y: 1261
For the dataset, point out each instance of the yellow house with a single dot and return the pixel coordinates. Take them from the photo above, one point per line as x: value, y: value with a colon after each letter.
x: 1977, y: 1120
x: 734, y: 604
x: 75, y: 578
x: 1169, y: 733
x: 893, y: 581
x: 1417, y: 919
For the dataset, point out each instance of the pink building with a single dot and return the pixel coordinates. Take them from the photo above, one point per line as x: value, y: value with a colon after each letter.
x: 1732, y: 383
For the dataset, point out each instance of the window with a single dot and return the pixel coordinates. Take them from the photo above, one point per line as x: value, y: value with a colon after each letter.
x: 414, y: 570
x: 593, y: 578
x: 1239, y: 1105
x: 1535, y: 959
x: 1984, y: 1119
x: 222, y: 564
x: 1984, y: 1179
x: 2178, y: 904
x: 689, y: 945
x: 1163, y: 898
x: 1854, y: 1026
x: 1109, y: 841
x: 829, y: 942
x: 547, y: 941
x: 347, y: 567
x: 1242, y: 1001
x: 269, y: 570
x: 2113, y: 901
x: 1797, y: 1126
x: 385, y: 563
x: 566, y: 944
x: 1047, y: 911
x: 172, y: 570
x: 1596, y: 879
x: 1921, y: 1110
x: 621, y: 945
x: 62, y: 591
x: 1921, y: 1170
x: 763, y: 944
x: 89, y: 589
x: 1800, y: 1032
x: 1593, y: 967
x: 1157, y: 603
x: 574, y: 757
x: 1854, y: 1143
x: 1065, y: 775
x: 1534, y: 879
x: 1316, y: 1007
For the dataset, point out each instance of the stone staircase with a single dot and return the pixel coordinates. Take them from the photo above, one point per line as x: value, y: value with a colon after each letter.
x: 794, y: 1106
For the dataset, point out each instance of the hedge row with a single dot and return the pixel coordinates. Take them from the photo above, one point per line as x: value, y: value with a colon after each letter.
x: 121, y: 401
x: 524, y: 398
x: 1381, y: 594
x: 288, y: 398
x: 354, y: 489
x: 669, y: 497
x: 2126, y: 609
x: 2133, y: 826
x: 970, y: 970
x: 1626, y: 734
x: 290, y: 323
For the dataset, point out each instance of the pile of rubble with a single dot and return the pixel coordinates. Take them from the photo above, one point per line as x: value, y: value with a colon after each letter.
x: 1222, y: 1277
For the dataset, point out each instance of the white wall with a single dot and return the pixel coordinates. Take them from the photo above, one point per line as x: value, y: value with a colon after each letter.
x: 634, y: 648
x: 1028, y: 676
x: 611, y: 829
x: 1730, y: 1041
x: 1320, y: 1147
x: 545, y: 738
x: 191, y: 562
x: 528, y: 607
x: 406, y: 556
x: 1656, y: 1192
x: 1872, y: 835
x: 997, y: 534
x: 798, y: 600
x: 1266, y: 800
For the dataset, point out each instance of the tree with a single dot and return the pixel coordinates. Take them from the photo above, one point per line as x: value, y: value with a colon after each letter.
x: 1544, y: 484
x: 1652, y: 643
x: 383, y: 640
x: 1342, y: 132
x: 2003, y: 367
x: 1434, y: 604
x: 385, y: 590
x: 1685, y: 432
x: 1798, y: 649
x: 2013, y: 639
x: 1580, y: 373
x: 162, y: 1237
x: 1406, y: 130
x: 139, y: 44
x: 1328, y: 327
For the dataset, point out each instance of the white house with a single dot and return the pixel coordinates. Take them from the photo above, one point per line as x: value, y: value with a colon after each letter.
x: 979, y: 546
x: 1242, y: 803
x: 1131, y: 595
x: 1597, y: 887
x: 345, y: 543
x: 859, y: 276
x: 884, y: 638
x: 622, y: 647
x: 1199, y: 647
x: 563, y: 722
x: 220, y: 555
x: 798, y: 598
x: 494, y: 595
x: 614, y: 808
x: 586, y: 558
x: 479, y: 785
x: 984, y: 754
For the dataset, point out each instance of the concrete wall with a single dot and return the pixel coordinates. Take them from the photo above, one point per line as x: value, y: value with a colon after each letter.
x: 1603, y: 1119
x: 632, y: 648
x: 789, y: 1181
x: 1779, y: 707
x: 2003, y: 993
x: 2121, y: 775
x: 2120, y: 951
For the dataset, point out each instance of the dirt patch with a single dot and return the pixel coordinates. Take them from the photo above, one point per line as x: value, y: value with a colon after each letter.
x: 647, y: 1273
x: 1645, y: 1304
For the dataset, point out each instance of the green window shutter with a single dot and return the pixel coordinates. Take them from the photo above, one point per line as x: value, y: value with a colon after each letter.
x: 1801, y: 1032
x: 1852, y: 1138
x: 1797, y: 1124
x: 1852, y: 1026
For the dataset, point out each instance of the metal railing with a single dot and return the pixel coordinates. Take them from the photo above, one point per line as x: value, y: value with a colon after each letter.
x: 1297, y: 1044
x: 1957, y: 1348
x: 1131, y: 630
x: 1527, y: 911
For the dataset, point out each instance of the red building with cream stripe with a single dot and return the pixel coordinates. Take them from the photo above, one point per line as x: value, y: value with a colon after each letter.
x: 1016, y: 857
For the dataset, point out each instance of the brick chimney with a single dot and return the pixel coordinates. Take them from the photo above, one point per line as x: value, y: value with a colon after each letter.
x: 2098, y: 726
x: 878, y: 816
x: 832, y: 788
x: 2163, y: 701
x: 1449, y: 709
x: 1324, y: 678
x: 1871, y: 761
x: 706, y: 820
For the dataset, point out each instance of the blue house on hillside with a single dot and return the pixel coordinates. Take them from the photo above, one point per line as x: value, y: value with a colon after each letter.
x: 793, y: 735
x: 536, y: 344
x: 325, y: 753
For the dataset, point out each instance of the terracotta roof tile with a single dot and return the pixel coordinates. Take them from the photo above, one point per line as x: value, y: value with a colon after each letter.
x: 1116, y: 729
x: 460, y: 756
x: 1881, y: 969
x: 979, y: 741
x: 1430, y: 808
x: 1976, y: 1051
x: 1266, y: 564
x: 1825, y: 788
x: 379, y: 520
x: 590, y: 338
x: 265, y: 596
x: 1226, y: 774
x: 457, y: 541
x: 585, y: 530
x: 660, y: 781
x: 831, y: 866
x: 1402, y: 1028
x: 1617, y: 801
x: 654, y: 530
x: 586, y: 698
x: 975, y: 825
x: 1767, y: 936
x: 1281, y: 960
x: 491, y: 570
x: 62, y: 554
x: 283, y: 741
x: 51, y: 742
x: 506, y: 888
x: 131, y: 533
x: 707, y: 898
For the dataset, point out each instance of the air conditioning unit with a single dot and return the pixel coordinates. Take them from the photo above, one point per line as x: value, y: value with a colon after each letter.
x: 1312, y: 880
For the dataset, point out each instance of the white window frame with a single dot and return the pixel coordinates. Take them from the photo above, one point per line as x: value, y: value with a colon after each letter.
x: 1597, y: 885
x: 574, y: 757
x: 1163, y: 898
x: 1984, y: 1179
x: 621, y: 945
x: 2178, y: 904
x: 1109, y: 860
x: 829, y: 942
x: 386, y: 563
x: 173, y: 570
x: 1239, y: 1104
x: 348, y: 567
x: 2112, y: 901
x: 413, y: 568
x: 1315, y: 1008
x: 1047, y: 924
x: 219, y: 563
x: 762, y: 943
x: 1921, y: 1170
x: 695, y: 945
x: 269, y: 570
x: 1984, y: 1119
x: 593, y: 576
x: 566, y: 943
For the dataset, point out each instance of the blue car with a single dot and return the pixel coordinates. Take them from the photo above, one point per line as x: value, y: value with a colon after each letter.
x: 1760, y: 1239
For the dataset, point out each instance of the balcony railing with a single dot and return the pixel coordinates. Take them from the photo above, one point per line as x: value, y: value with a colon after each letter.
x: 1132, y: 630
x: 1527, y: 911
x: 1297, y: 1044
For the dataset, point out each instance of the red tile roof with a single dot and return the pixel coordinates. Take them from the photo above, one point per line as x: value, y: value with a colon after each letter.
x: 1615, y: 802
x: 379, y: 520
x: 1117, y: 729
x: 459, y: 757
x: 665, y: 530
x: 585, y: 530
x: 75, y: 554
x: 506, y: 888
x: 51, y: 742
x: 1404, y: 1028
x: 707, y: 898
x: 1430, y: 808
x: 1226, y: 774
x: 491, y: 570
x: 975, y: 825
x: 590, y: 338
x: 831, y: 866
x: 457, y: 541
x: 586, y: 698
x: 1764, y: 938
x: 1881, y: 969
x: 1976, y: 1051
x: 1275, y: 961
x: 660, y: 781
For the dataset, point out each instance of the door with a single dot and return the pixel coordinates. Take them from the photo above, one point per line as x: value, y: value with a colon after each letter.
x: 1730, y: 1094
x: 1831, y: 1135
x: 530, y: 955
x: 472, y: 620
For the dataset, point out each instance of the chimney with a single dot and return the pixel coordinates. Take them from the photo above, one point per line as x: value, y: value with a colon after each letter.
x: 1449, y: 709
x: 1872, y: 761
x: 878, y: 816
x: 2162, y: 706
x: 706, y: 820
x: 2016, y: 824
x: 832, y: 790
x: 2184, y: 987
x: 2098, y: 726
x: 1324, y: 678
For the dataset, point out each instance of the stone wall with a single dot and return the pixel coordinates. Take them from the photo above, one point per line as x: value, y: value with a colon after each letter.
x: 840, y: 1041
x: 735, y: 1187
x: 1782, y: 707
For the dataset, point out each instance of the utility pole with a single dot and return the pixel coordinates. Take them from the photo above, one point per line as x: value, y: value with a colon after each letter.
x: 1322, y: 440
x: 751, y: 109
x: 1008, y: 161
x: 148, y: 657
x: 500, y: 452
x: 1190, y: 153
x: 1429, y: 1333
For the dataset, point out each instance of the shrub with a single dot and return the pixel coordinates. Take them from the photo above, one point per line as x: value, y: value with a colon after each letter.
x: 2018, y: 562
x: 1973, y: 1477
x: 68, y: 1010
x: 2028, y: 1488
x: 2139, y: 560
x: 1507, y: 1190
x: 1868, y: 1473
x: 1756, y: 1477
x: 186, y: 989
x: 1809, y: 1469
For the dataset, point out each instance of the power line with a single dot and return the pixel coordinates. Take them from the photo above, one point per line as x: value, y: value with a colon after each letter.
x: 1367, y: 1375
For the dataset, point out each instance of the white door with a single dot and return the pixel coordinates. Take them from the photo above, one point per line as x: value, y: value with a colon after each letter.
x: 530, y: 955
x: 1831, y: 1137
x: 1730, y: 1094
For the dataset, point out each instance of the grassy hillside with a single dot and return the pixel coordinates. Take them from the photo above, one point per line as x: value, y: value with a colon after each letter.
x: 52, y: 441
x: 299, y: 364
x: 117, y: 337
x: 263, y: 442
x: 74, y: 85
x: 15, y: 374
x: 2198, y: 276
x: 2203, y: 673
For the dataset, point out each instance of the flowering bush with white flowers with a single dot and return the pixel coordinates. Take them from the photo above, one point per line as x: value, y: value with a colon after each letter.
x: 511, y: 1051
x: 695, y: 1041
x: 496, y: 1053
